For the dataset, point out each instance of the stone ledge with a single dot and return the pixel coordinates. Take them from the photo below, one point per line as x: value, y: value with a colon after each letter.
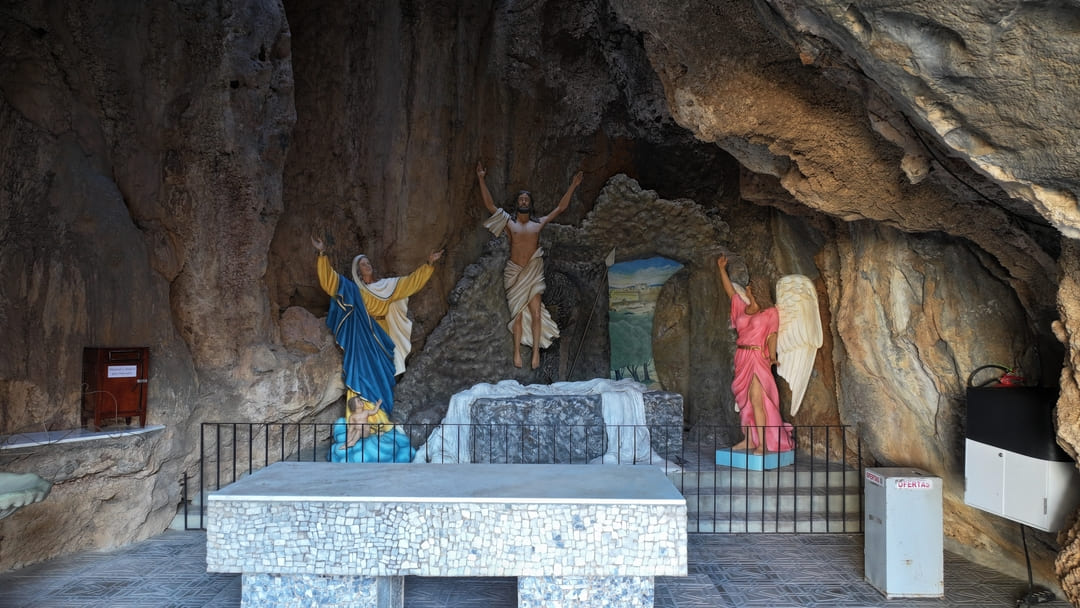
x: 29, y: 440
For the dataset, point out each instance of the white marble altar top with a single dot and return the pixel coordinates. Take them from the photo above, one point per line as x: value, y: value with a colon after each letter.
x: 480, y: 483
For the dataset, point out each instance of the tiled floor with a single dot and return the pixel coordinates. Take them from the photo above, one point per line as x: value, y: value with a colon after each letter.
x: 757, y: 570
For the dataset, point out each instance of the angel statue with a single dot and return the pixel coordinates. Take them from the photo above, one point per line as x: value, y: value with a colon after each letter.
x: 788, y: 336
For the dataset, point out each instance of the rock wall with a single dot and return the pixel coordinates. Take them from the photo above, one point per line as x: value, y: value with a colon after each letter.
x: 169, y: 163
x: 146, y: 146
x: 1068, y: 414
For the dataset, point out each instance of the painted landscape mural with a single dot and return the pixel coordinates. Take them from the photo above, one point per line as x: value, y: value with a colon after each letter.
x: 633, y: 288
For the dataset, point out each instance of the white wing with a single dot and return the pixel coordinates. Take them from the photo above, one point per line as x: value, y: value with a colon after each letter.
x: 800, y: 333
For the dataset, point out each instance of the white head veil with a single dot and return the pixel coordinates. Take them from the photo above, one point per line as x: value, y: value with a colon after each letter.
x: 355, y: 275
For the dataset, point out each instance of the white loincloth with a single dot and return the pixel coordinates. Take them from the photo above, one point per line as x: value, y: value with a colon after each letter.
x: 623, y: 410
x: 521, y: 285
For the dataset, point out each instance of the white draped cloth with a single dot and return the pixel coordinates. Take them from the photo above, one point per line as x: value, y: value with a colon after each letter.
x: 623, y: 408
x: 397, y: 319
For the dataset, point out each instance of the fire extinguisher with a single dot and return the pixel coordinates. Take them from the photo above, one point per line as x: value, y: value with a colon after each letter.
x: 1010, y: 377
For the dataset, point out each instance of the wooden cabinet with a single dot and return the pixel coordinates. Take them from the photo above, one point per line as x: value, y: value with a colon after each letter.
x: 114, y: 385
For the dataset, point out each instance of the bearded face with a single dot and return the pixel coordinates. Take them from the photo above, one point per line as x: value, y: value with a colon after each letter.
x: 524, y: 203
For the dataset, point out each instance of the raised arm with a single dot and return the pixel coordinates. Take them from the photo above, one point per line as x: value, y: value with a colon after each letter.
x: 564, y: 202
x: 328, y: 279
x: 481, y: 173
x: 413, y: 282
x: 721, y: 263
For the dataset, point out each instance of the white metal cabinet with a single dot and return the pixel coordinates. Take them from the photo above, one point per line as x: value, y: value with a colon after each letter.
x: 1039, y: 493
x: 1013, y: 466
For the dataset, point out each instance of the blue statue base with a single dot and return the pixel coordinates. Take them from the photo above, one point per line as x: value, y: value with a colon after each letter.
x: 746, y: 459
x: 391, y: 446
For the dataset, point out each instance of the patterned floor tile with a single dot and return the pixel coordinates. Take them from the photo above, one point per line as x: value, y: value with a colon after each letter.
x: 732, y: 570
x: 433, y: 592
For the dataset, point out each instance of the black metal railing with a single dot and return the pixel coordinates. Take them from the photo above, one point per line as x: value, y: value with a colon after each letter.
x: 819, y: 491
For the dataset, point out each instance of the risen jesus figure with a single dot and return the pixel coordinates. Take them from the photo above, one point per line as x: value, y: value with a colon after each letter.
x: 524, y: 274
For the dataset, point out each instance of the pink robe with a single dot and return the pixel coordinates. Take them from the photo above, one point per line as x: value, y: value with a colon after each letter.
x: 753, y: 330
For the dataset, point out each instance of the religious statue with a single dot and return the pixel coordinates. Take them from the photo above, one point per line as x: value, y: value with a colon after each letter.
x: 788, y: 336
x: 361, y: 437
x: 369, y: 319
x: 524, y: 273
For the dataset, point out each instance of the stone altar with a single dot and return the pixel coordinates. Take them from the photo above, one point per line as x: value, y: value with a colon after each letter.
x: 610, y: 421
x: 573, y: 535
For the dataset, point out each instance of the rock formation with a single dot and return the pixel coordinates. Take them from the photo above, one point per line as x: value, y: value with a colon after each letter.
x: 167, y: 163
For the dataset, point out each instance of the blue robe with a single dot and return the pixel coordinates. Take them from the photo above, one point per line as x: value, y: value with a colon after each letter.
x: 368, y: 365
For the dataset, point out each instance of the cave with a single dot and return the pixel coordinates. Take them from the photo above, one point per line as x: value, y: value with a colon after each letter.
x: 168, y: 164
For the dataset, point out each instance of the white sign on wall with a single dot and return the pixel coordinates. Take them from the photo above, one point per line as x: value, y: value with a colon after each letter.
x: 123, y: 371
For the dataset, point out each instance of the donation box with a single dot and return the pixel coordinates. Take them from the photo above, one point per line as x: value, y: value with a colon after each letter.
x: 114, y: 385
x: 904, y: 539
